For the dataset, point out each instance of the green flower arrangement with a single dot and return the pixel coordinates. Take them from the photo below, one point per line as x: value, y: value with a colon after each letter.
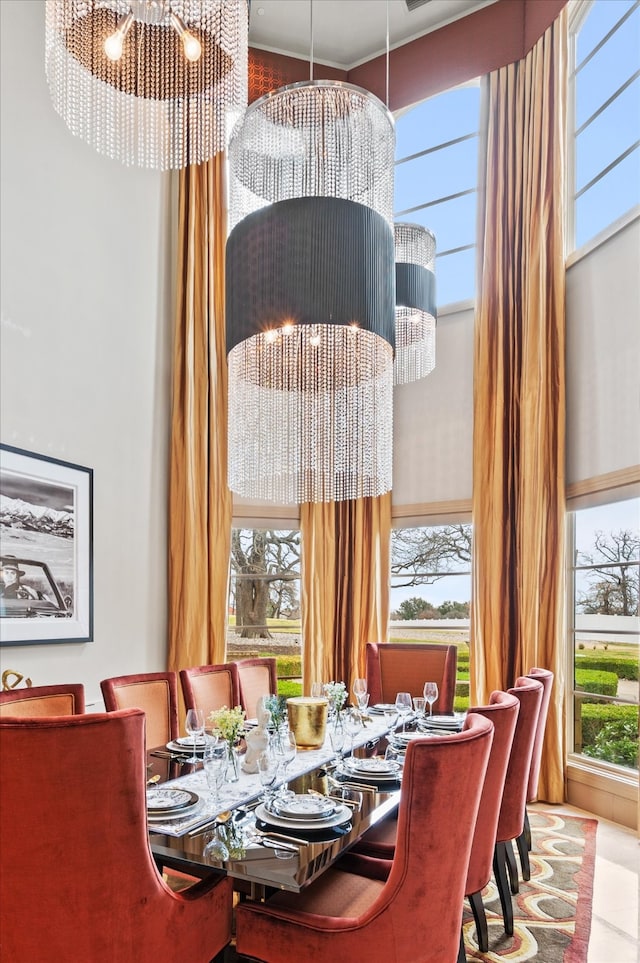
x: 228, y: 722
x: 277, y: 706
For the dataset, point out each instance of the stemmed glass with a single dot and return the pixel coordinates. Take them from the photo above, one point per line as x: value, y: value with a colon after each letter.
x: 268, y: 765
x: 289, y: 750
x: 390, y: 717
x: 336, y: 737
x: 430, y: 694
x: 194, y: 725
x: 361, y: 694
x: 215, y: 765
x: 403, y: 705
x: 352, y: 724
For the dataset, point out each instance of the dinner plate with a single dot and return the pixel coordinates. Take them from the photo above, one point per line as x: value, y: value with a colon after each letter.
x: 165, y: 800
x: 351, y: 775
x: 341, y: 815
x: 382, y: 707
x: 452, y: 723
x: 303, y: 807
x: 375, y: 766
x: 187, y: 741
x: 165, y: 817
x: 185, y: 745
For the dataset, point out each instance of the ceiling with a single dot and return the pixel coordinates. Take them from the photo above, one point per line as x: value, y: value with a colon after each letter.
x: 348, y: 32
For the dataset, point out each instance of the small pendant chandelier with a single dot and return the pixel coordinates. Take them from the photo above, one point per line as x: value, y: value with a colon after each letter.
x: 416, y: 313
x: 310, y: 296
x: 153, y: 83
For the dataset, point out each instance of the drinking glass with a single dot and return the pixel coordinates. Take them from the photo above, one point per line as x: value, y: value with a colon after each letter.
x: 360, y: 691
x: 289, y: 750
x: 215, y: 765
x: 194, y: 725
x: 352, y: 724
x: 419, y: 703
x: 391, y: 717
x: 268, y: 765
x: 317, y: 690
x: 431, y: 694
x: 403, y: 705
x: 336, y: 736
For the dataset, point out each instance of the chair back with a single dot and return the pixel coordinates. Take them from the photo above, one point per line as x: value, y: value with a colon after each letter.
x: 502, y: 711
x: 514, y: 797
x: 74, y: 837
x: 258, y: 677
x: 395, y: 667
x: 546, y: 677
x: 156, y: 693
x: 210, y: 687
x: 43, y: 700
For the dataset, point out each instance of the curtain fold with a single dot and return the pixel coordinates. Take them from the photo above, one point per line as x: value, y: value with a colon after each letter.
x: 345, y: 585
x: 200, y: 502
x: 518, y: 615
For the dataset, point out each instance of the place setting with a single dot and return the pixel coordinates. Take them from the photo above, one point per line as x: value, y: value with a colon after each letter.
x: 303, y: 813
x: 374, y: 769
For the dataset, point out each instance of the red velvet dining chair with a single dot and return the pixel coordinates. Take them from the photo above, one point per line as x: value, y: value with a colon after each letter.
x: 523, y: 841
x: 258, y: 677
x: 210, y: 687
x: 156, y: 693
x: 43, y: 700
x: 398, y: 911
x: 78, y: 879
x: 514, y: 797
x: 395, y: 667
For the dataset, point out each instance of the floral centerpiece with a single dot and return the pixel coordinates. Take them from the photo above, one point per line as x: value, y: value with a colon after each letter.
x: 276, y: 705
x: 229, y: 724
x: 336, y: 693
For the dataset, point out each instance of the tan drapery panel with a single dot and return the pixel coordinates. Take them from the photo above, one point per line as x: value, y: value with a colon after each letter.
x: 345, y: 585
x: 519, y: 389
x: 200, y: 501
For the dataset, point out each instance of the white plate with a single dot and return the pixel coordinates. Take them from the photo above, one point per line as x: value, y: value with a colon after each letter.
x: 167, y: 817
x: 186, y: 745
x: 406, y: 737
x: 170, y: 800
x: 305, y: 807
x: 375, y: 766
x: 381, y: 707
x: 349, y: 775
x: 187, y: 741
x: 444, y: 722
x: 341, y: 815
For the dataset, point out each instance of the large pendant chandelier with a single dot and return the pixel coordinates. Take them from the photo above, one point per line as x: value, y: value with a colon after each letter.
x: 310, y: 296
x: 416, y: 314
x: 153, y: 83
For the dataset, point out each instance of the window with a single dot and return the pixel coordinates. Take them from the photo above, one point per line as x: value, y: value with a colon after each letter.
x: 431, y: 591
x: 606, y: 632
x: 436, y: 182
x: 606, y: 97
x: 264, y: 598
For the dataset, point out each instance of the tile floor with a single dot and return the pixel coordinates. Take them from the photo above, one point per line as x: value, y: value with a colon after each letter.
x: 615, y: 924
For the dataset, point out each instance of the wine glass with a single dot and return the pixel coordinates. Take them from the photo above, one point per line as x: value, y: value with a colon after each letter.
x: 194, y: 725
x: 390, y: 717
x: 352, y: 724
x: 215, y: 764
x: 268, y: 765
x: 403, y: 705
x: 289, y: 750
x: 431, y: 694
x: 418, y: 706
x: 336, y: 737
x: 361, y: 694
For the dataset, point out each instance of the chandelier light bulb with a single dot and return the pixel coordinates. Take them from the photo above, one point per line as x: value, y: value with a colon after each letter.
x: 114, y: 43
x: 192, y: 47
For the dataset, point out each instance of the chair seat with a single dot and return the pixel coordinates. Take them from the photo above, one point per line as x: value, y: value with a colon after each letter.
x: 380, y: 841
x: 335, y: 893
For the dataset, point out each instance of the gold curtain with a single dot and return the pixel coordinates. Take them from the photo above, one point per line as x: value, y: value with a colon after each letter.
x: 345, y: 585
x: 200, y: 501
x: 519, y: 389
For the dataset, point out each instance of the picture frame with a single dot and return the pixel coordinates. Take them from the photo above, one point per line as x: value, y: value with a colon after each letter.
x: 46, y: 549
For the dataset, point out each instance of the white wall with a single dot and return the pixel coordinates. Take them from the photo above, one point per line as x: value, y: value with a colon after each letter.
x: 85, y: 339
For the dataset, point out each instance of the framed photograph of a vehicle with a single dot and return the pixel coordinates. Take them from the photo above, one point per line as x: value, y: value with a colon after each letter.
x: 46, y: 549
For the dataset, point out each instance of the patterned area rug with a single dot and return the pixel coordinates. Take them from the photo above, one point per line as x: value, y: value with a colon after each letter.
x: 552, y: 912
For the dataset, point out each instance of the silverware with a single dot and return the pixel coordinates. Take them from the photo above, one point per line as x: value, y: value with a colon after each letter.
x: 351, y: 785
x: 275, y: 844
x: 286, y: 838
x: 218, y: 820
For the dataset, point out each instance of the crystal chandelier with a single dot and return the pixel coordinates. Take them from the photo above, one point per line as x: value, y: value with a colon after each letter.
x: 310, y: 296
x: 155, y: 83
x: 415, y: 303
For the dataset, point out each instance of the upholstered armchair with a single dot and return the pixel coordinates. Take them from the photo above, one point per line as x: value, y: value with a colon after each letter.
x: 43, y: 700
x: 258, y: 677
x: 403, y: 911
x: 156, y: 693
x: 78, y: 879
x: 514, y: 797
x: 210, y: 687
x: 404, y: 667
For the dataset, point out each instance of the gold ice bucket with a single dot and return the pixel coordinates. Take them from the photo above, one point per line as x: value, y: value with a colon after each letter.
x: 308, y: 720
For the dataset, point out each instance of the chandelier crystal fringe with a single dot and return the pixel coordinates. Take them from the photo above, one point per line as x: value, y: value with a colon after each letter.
x: 310, y: 296
x: 416, y: 314
x: 153, y: 83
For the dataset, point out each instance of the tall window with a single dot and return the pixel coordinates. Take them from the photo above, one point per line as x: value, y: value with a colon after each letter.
x: 606, y: 95
x: 606, y: 632
x: 431, y: 591
x: 436, y: 182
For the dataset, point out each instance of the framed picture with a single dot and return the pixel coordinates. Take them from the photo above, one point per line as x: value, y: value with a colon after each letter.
x: 46, y: 549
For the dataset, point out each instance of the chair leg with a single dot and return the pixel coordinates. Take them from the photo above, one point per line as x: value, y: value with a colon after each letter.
x: 462, y: 953
x: 500, y: 873
x: 527, y: 830
x: 512, y: 867
x: 480, y: 917
x: 523, y: 852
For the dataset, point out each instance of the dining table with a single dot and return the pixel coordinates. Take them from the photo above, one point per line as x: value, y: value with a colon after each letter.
x: 263, y: 853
